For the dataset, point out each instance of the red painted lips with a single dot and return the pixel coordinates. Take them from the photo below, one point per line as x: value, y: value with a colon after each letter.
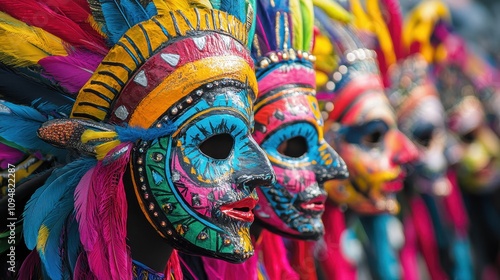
x: 240, y: 210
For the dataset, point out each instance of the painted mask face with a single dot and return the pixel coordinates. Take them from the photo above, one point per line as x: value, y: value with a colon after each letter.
x: 289, y: 127
x: 366, y: 136
x: 478, y: 163
x: 195, y: 186
x: 421, y: 117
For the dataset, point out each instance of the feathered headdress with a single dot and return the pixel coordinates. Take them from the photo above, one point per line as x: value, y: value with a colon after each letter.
x: 80, y: 75
x: 342, y: 56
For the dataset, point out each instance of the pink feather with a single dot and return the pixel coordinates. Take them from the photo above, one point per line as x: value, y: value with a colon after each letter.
x: 9, y: 155
x: 394, y: 20
x: 31, y: 267
x: 78, y: 14
x: 72, y: 71
x: 174, y: 267
x: 102, y: 216
x: 82, y: 271
x: 40, y: 15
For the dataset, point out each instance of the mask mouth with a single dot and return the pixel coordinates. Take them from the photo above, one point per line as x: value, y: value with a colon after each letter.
x: 314, y: 206
x: 241, y: 209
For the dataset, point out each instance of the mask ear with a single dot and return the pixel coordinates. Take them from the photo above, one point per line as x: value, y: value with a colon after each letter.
x: 85, y: 136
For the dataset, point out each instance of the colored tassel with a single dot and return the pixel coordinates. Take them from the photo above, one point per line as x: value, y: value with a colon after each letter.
x: 45, y: 201
x: 52, y: 22
x: 71, y: 71
x: 101, y: 210
x: 23, y: 45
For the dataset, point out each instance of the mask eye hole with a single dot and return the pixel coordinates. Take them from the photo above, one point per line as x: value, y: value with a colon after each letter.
x: 468, y: 137
x: 294, y: 147
x: 424, y: 138
x: 218, y: 146
x: 373, y: 138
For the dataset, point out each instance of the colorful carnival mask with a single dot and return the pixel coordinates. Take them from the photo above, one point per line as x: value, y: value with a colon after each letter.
x: 362, y: 127
x: 175, y: 91
x: 421, y: 117
x: 479, y: 163
x: 288, y: 124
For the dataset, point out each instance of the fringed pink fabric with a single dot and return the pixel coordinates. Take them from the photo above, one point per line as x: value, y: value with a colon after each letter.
x: 454, y: 205
x: 102, y: 216
x: 302, y: 258
x: 333, y: 263
x: 409, y: 252
x: 274, y: 257
x: 221, y: 270
x: 173, y: 270
x: 426, y: 237
x: 31, y: 267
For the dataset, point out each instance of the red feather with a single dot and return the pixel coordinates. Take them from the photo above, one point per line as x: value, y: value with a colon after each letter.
x: 31, y: 267
x: 394, y: 20
x: 39, y: 15
x: 78, y: 14
x: 102, y: 216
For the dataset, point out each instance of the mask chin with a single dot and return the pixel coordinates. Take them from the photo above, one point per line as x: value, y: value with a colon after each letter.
x: 276, y: 213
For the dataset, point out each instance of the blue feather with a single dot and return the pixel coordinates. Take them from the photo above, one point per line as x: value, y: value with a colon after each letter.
x: 266, y: 14
x: 51, y: 254
x: 73, y: 245
x: 235, y: 8
x: 59, y: 186
x: 51, y: 110
x: 132, y: 134
x: 121, y: 15
x: 18, y: 127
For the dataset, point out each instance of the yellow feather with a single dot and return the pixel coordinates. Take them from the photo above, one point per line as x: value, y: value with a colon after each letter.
x: 43, y: 235
x: 164, y: 6
x: 298, y: 39
x: 420, y: 25
x: 361, y: 19
x: 382, y: 31
x: 89, y: 135
x: 333, y: 10
x: 103, y: 149
x: 24, y: 45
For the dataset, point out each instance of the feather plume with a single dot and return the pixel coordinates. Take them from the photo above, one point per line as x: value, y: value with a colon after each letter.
x: 118, y: 16
x: 307, y: 11
x: 394, y: 19
x: 49, y: 238
x: 18, y: 126
x: 31, y: 267
x: 235, y: 8
x: 297, y: 24
x: 18, y: 85
x: 82, y: 271
x: 44, y: 203
x: 23, y: 45
x: 40, y: 15
x: 72, y: 71
x: 73, y: 245
x: 79, y: 14
x: 9, y: 155
x: 101, y: 208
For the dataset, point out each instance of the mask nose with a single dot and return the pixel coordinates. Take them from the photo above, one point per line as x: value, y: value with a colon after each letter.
x: 255, y: 169
x: 404, y: 150
x: 330, y: 165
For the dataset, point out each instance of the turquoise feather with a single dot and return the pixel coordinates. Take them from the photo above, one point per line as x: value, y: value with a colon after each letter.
x: 119, y: 16
x: 59, y: 187
x: 18, y: 127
